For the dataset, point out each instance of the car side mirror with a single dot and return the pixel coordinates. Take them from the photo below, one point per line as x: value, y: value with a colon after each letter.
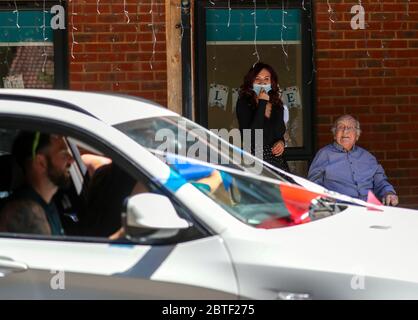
x: 150, y: 213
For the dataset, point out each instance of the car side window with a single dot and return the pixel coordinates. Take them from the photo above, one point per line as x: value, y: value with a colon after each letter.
x: 90, y: 194
x: 109, y: 188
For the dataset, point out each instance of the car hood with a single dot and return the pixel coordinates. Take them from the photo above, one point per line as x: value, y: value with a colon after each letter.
x: 377, y: 247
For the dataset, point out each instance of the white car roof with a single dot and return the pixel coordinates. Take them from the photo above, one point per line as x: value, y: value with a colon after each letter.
x: 110, y: 108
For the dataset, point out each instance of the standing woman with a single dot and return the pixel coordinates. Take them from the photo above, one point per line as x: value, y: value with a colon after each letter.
x: 259, y: 107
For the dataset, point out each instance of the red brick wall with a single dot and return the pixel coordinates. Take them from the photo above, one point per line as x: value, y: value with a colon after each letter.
x: 113, y: 55
x: 373, y: 74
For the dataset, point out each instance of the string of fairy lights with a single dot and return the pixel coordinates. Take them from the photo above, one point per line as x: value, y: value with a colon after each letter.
x: 311, y: 31
x: 44, y: 53
x: 255, y: 32
x: 214, y: 59
x: 73, y: 28
x: 154, y: 36
x: 331, y: 12
x: 306, y: 5
x: 229, y: 13
x: 282, y: 29
x: 126, y: 13
x: 16, y: 12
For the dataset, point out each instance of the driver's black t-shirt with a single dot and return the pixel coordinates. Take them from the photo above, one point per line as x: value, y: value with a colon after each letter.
x: 51, y: 212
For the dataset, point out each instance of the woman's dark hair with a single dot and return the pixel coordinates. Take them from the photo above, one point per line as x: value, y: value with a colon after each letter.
x: 246, y: 89
x: 108, y: 188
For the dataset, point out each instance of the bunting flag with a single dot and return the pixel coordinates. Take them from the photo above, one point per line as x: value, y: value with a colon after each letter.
x: 293, y: 201
x: 183, y: 172
x: 297, y: 201
x: 371, y: 198
x: 218, y: 96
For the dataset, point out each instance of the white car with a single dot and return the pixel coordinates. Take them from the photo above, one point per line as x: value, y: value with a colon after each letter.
x: 194, y: 229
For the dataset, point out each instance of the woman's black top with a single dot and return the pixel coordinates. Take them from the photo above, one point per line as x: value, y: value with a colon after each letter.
x: 252, y: 117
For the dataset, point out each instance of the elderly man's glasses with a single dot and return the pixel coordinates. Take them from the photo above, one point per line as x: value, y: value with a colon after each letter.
x: 345, y: 128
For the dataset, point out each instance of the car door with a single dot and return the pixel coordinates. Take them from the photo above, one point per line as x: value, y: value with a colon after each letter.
x: 51, y: 269
x: 71, y: 267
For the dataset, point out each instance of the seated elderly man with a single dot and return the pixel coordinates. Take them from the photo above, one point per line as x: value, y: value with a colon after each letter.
x: 349, y: 169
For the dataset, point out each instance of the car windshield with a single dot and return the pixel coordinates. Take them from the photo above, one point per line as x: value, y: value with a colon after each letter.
x: 184, y: 137
x: 257, y: 201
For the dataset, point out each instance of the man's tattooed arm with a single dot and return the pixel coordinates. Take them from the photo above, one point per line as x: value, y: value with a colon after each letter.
x: 24, y: 217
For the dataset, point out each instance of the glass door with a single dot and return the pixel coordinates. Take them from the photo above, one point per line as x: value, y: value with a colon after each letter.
x: 234, y: 35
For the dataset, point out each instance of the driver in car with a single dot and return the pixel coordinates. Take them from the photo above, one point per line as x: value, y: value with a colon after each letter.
x: 45, y: 161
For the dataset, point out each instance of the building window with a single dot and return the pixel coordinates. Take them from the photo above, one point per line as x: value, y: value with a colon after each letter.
x: 31, y: 55
x: 233, y: 35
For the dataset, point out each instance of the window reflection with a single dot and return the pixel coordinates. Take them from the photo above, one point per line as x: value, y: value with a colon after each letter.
x: 27, y: 67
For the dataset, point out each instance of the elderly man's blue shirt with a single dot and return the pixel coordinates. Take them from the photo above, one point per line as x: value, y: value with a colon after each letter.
x: 353, y: 173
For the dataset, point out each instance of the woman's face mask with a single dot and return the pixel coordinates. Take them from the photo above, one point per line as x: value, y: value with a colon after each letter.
x: 257, y: 88
x: 262, y: 81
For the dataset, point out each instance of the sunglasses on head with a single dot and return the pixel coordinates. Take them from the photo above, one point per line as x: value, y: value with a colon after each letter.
x: 35, y: 143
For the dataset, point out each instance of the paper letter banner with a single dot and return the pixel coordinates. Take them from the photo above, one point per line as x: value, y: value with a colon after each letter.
x: 291, y: 97
x: 218, y: 96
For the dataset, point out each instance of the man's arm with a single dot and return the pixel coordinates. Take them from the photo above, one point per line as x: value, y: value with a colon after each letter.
x: 24, y: 216
x: 317, y: 169
x: 382, y: 188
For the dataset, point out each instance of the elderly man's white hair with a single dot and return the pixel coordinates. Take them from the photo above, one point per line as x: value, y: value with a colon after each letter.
x: 346, y: 117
